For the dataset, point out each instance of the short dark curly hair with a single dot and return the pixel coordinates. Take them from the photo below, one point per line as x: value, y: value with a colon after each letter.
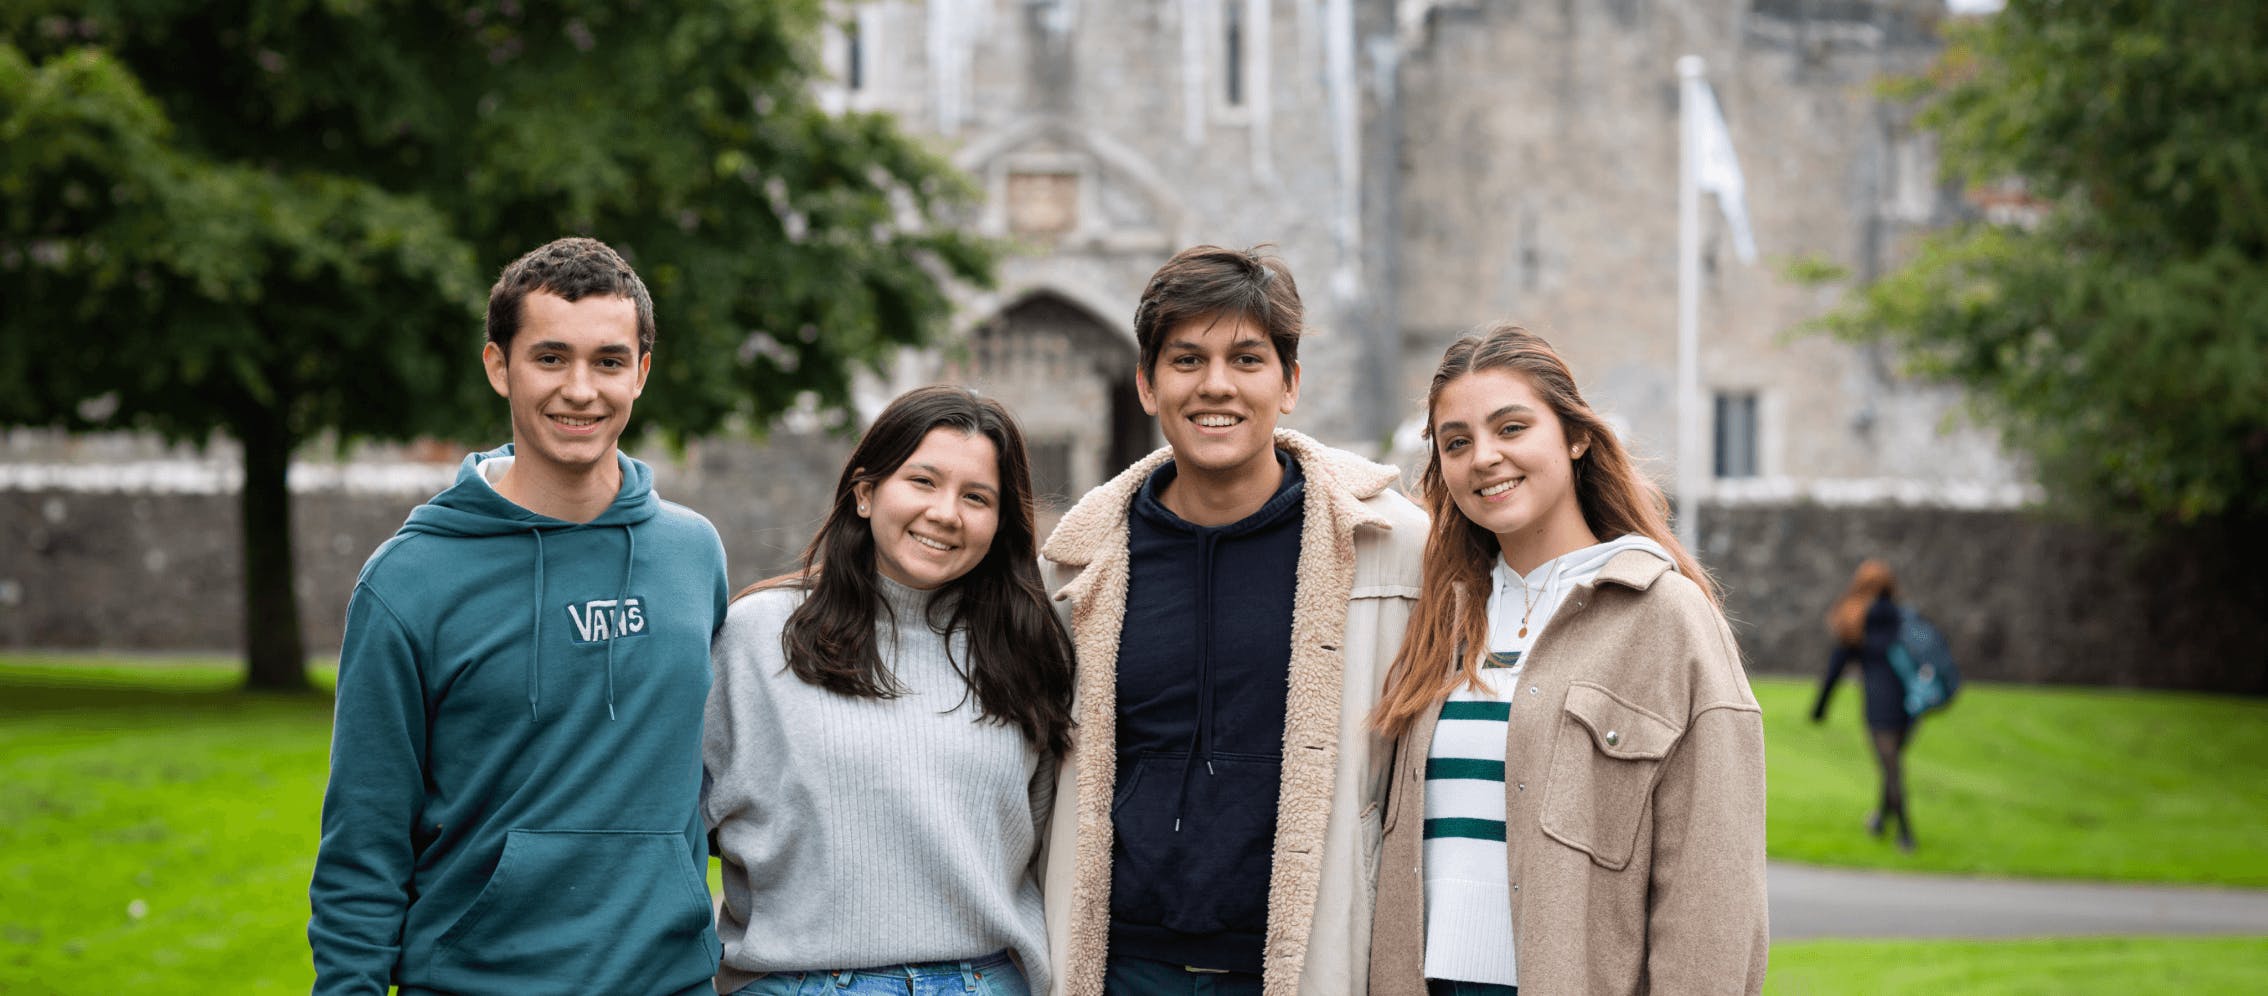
x: 1207, y: 282
x: 571, y: 268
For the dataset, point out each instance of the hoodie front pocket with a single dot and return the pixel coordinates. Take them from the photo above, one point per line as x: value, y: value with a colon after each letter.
x: 590, y: 910
x: 1604, y: 759
x: 1209, y: 873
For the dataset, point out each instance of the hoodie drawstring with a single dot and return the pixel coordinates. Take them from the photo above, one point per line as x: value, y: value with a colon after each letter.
x: 1201, y: 742
x: 622, y: 614
x: 621, y: 617
x: 535, y: 653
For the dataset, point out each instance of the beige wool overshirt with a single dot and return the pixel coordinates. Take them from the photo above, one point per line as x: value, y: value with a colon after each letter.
x: 1634, y: 804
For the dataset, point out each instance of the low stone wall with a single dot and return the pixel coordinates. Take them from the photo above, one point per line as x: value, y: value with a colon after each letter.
x: 162, y: 571
x: 2021, y: 598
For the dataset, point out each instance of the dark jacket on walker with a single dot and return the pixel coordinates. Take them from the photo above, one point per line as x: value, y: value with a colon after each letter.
x: 1885, y: 691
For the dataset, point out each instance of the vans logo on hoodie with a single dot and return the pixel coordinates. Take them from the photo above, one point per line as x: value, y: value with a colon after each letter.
x: 602, y: 619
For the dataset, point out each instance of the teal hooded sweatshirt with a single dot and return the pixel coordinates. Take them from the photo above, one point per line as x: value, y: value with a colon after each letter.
x: 516, y: 754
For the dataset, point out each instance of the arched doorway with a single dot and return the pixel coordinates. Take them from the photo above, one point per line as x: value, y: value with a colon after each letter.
x: 1070, y: 380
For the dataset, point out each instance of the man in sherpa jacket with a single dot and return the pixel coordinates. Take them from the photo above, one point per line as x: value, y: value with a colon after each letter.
x: 1235, y: 600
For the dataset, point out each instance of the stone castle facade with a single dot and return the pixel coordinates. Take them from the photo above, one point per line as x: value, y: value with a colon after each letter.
x: 1425, y: 167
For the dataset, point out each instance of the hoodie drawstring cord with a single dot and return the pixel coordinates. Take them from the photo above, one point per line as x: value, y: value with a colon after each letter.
x: 1201, y: 742
x: 535, y: 653
x: 622, y: 615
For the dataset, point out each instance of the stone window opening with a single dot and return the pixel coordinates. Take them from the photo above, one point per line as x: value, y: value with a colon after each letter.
x: 1232, y: 52
x: 1736, y: 435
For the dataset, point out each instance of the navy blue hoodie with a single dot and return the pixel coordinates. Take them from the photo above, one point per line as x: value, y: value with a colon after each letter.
x: 1204, y: 661
x: 516, y: 754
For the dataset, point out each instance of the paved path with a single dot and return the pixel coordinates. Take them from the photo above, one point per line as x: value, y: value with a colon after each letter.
x: 1833, y: 902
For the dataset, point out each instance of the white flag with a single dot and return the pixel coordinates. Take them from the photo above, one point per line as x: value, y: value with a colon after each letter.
x: 1717, y: 170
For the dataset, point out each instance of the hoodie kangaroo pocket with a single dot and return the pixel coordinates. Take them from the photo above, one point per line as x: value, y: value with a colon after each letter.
x: 1210, y: 875
x: 589, y: 910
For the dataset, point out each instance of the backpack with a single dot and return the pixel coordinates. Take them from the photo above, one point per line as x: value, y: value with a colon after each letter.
x: 1924, y: 663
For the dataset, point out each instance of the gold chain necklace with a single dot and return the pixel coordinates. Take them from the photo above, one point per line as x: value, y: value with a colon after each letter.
x: 1527, y: 602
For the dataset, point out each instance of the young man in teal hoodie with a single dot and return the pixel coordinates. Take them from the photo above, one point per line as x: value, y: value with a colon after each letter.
x: 516, y: 756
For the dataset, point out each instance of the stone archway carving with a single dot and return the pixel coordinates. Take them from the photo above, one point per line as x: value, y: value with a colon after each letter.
x: 1049, y: 182
x: 1069, y: 377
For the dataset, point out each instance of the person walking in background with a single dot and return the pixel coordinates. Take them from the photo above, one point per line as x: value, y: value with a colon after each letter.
x: 1864, y: 623
x: 879, y: 743
x: 1578, y: 800
x: 1234, y: 600
x: 516, y: 758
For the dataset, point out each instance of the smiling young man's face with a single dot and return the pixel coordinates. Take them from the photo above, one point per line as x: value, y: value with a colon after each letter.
x: 573, y: 371
x: 1217, y: 390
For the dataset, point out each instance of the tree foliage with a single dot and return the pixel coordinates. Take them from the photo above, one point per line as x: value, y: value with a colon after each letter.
x: 279, y: 218
x: 2114, y: 325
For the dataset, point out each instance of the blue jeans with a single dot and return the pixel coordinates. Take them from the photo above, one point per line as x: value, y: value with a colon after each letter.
x: 993, y: 975
x: 1125, y: 975
x: 1452, y: 987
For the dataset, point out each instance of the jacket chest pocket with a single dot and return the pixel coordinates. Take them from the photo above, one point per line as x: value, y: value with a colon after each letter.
x: 1605, y: 756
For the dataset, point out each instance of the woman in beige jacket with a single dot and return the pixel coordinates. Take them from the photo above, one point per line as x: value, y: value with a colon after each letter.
x: 1577, y: 802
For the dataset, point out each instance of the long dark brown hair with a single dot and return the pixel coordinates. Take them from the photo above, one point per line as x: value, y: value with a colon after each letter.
x: 1451, y: 616
x: 1019, y: 665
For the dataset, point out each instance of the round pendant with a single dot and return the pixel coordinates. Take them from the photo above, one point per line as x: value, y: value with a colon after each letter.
x: 1523, y: 631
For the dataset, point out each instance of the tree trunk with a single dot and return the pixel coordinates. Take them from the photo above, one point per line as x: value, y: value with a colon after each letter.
x: 275, y: 655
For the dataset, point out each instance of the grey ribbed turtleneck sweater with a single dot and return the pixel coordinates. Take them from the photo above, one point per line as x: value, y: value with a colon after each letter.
x: 860, y: 832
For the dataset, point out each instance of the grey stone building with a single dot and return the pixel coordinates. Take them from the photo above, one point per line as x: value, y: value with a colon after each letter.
x: 1425, y: 167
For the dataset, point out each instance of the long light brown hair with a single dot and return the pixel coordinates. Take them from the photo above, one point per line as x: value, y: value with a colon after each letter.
x: 1847, y: 620
x: 1448, y: 630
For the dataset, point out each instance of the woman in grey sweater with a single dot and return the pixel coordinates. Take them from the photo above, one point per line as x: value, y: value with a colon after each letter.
x: 881, y: 733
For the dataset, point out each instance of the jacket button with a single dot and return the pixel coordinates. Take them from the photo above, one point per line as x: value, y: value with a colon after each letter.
x: 1522, y: 787
x: 1613, y: 738
x: 1515, y: 886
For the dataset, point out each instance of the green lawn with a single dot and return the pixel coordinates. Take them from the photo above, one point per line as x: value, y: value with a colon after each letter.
x: 157, y: 827
x: 2113, y: 965
x: 2046, y: 782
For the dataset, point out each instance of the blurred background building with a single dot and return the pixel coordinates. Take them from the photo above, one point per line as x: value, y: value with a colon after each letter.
x: 1423, y: 166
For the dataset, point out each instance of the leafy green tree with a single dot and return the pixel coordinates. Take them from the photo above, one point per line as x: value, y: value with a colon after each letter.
x: 2114, y: 324
x: 277, y: 219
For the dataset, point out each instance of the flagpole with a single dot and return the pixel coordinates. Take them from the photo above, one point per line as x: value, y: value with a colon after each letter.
x: 1691, y: 476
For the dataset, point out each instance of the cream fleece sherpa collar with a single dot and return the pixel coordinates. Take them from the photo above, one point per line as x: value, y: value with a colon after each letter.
x: 1091, y: 543
x: 1098, y: 522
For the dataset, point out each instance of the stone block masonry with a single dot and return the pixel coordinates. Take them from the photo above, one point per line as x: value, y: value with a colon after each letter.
x: 133, y: 564
x: 2022, y: 598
